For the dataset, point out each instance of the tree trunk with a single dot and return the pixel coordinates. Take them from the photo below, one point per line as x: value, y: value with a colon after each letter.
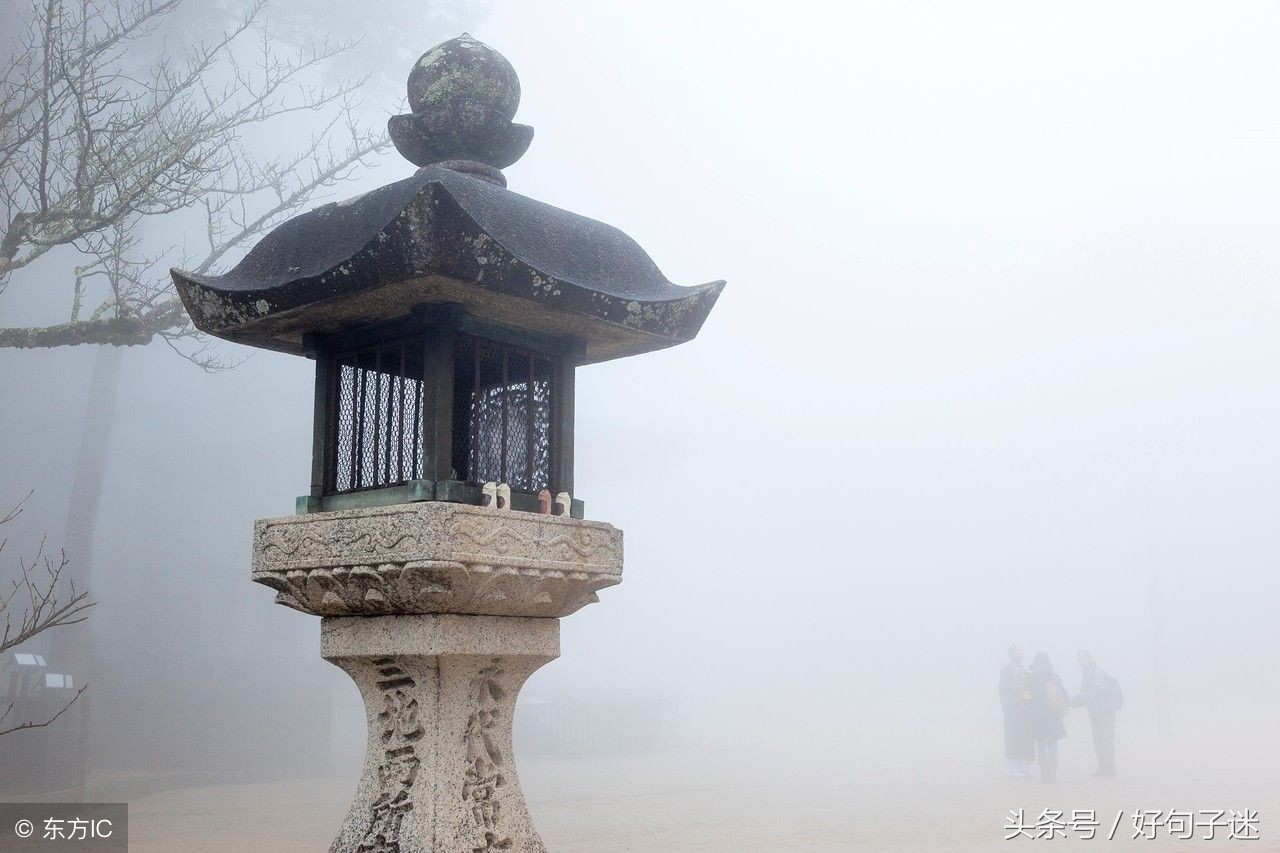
x: 70, y: 649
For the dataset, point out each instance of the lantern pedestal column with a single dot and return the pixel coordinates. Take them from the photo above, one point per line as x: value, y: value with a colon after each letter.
x: 439, y: 612
x: 439, y: 691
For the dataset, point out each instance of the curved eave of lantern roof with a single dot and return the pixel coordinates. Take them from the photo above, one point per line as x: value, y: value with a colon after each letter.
x: 443, y: 236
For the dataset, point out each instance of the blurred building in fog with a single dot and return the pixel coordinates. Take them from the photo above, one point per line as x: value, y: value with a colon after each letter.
x: 48, y: 760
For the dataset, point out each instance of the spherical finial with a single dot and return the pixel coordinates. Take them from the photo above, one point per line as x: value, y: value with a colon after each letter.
x: 464, y: 95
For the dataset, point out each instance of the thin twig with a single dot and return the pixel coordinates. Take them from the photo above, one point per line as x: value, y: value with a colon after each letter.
x: 89, y: 152
x: 48, y: 722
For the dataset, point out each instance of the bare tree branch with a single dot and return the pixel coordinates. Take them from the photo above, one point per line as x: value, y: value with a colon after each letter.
x: 47, y: 602
x: 43, y: 607
x: 33, y: 725
x: 90, y: 149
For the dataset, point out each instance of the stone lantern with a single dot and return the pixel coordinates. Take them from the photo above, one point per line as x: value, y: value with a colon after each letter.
x: 440, y: 541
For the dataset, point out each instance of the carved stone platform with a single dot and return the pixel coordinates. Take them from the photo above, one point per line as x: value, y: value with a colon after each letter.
x: 434, y: 557
x: 439, y: 612
x: 440, y: 690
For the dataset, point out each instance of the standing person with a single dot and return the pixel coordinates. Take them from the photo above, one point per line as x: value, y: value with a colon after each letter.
x: 1019, y: 748
x: 1047, y: 706
x: 1100, y: 694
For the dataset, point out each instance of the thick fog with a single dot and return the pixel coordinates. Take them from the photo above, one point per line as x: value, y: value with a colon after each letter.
x: 998, y: 362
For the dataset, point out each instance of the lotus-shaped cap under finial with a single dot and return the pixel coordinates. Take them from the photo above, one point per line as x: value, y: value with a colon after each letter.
x: 464, y: 95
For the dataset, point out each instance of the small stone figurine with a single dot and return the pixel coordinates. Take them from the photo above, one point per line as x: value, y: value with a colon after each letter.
x: 563, y: 502
x: 504, y: 496
x: 544, y: 502
x: 489, y: 496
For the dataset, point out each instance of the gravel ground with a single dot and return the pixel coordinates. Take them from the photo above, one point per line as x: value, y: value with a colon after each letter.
x: 802, y: 798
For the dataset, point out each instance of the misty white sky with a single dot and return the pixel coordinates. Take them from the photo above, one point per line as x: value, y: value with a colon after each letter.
x: 999, y: 359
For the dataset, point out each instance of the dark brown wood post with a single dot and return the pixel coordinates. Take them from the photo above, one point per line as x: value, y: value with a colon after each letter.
x: 437, y: 392
x: 562, y: 418
x: 322, y: 421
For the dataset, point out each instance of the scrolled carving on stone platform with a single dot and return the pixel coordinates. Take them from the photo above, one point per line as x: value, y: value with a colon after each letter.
x: 391, y: 589
x: 529, y: 537
x: 292, y: 541
x: 436, y: 558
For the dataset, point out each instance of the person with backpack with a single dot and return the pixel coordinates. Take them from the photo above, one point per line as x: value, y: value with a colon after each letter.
x: 1046, y: 708
x: 1100, y: 695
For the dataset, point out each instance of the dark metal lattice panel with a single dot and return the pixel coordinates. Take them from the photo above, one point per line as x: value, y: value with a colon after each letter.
x: 503, y: 416
x: 540, y: 413
x: 519, y: 431
x: 377, y: 424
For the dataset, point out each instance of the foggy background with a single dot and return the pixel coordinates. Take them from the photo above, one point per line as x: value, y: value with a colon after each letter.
x: 998, y: 361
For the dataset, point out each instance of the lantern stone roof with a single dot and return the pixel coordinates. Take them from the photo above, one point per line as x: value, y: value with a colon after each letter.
x: 448, y: 236
x: 451, y: 233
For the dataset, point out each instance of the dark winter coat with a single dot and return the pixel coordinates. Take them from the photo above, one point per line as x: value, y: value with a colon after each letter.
x: 1047, y: 706
x: 1014, y: 700
x: 1098, y: 692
